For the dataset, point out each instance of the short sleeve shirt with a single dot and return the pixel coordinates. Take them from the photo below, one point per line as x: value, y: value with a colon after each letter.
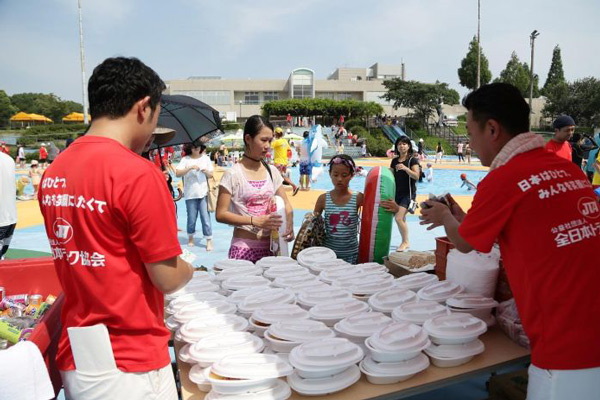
x: 195, y: 185
x: 402, y: 178
x: 563, y: 149
x: 542, y: 211
x: 280, y: 146
x: 107, y: 212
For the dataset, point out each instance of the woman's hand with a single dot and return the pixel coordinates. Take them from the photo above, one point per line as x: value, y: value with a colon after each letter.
x: 390, y: 205
x: 270, y: 222
x: 401, y: 167
x: 288, y: 236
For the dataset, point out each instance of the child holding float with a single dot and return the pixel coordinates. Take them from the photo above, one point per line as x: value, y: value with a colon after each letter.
x: 340, y: 207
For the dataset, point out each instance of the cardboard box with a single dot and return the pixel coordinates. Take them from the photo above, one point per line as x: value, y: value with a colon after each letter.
x: 398, y: 270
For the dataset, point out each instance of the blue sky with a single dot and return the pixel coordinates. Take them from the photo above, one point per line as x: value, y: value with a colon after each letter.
x: 39, y: 39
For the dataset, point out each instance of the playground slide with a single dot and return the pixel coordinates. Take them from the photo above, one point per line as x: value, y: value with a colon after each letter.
x: 390, y: 133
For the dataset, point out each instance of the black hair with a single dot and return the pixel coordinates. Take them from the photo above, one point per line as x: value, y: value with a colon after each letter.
x: 253, y: 126
x: 501, y: 102
x: 345, y: 157
x: 117, y: 83
x: 188, y: 147
x: 305, y: 134
x: 403, y: 139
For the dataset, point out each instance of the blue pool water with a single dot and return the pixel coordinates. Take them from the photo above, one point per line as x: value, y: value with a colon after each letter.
x: 444, y: 181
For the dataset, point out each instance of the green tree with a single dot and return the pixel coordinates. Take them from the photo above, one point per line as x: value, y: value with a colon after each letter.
x: 7, y: 110
x: 580, y: 100
x: 517, y: 74
x: 423, y: 98
x: 467, y: 73
x: 556, y: 74
x: 49, y: 105
x: 321, y: 107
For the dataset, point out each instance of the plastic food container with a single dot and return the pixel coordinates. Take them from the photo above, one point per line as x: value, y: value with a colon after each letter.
x: 416, y: 281
x: 279, y: 390
x: 198, y: 328
x: 202, y: 275
x: 325, y: 357
x: 262, y: 318
x: 214, y: 347
x: 193, y: 287
x: 364, y: 290
x: 325, y: 385
x: 190, y: 298
x: 311, y: 255
x: 308, y: 298
x: 319, y: 266
x: 222, y: 265
x: 245, y: 281
x: 266, y: 297
x: 440, y: 291
x: 417, y: 312
x: 388, y: 373
x: 283, y: 336
x: 454, y: 328
x: 372, y: 267
x: 289, y: 281
x: 397, y: 342
x: 360, y: 326
x: 239, y: 295
x: 278, y: 271
x: 476, y: 305
x: 332, y: 312
x: 388, y: 299
x: 363, y: 278
x: 300, y: 287
x: 239, y: 271
x: 199, y: 309
x: 198, y: 376
x: 342, y: 271
x: 273, y: 261
x: 453, y: 355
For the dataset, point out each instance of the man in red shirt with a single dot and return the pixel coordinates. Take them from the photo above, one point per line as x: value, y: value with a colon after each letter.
x: 43, y: 156
x: 543, y: 213
x: 111, y: 226
x: 564, y: 127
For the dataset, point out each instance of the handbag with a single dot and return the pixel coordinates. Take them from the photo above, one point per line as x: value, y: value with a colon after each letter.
x: 412, y: 204
x: 213, y: 192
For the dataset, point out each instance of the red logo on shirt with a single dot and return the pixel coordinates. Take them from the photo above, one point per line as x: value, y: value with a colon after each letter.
x: 588, y: 207
x: 63, y: 231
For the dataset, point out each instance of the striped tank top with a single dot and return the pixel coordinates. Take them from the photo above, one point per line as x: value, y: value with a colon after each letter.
x: 341, y: 228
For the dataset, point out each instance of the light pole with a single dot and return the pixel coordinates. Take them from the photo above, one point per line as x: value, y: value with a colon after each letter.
x: 241, y: 109
x: 83, y: 86
x: 478, y: 43
x: 532, y: 37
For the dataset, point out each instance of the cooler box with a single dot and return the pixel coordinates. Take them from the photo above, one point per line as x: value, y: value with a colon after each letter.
x: 38, y: 276
x: 444, y: 245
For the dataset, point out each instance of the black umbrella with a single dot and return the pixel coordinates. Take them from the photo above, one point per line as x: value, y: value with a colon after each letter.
x: 190, y: 118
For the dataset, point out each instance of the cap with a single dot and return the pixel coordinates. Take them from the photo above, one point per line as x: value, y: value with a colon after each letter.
x: 278, y: 130
x: 288, y: 130
x: 463, y: 176
x: 162, y: 135
x: 34, y: 162
x: 562, y: 121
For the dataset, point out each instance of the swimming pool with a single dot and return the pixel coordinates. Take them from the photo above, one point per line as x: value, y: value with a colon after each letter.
x: 444, y: 181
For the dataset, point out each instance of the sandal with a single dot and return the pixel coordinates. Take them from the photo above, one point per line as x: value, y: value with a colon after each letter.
x: 295, y: 192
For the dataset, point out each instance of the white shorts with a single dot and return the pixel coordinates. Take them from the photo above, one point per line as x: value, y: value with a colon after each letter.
x: 116, y: 385
x: 555, y: 384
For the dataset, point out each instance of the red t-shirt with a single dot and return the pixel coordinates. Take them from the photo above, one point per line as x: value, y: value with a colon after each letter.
x: 43, y: 153
x: 561, y: 149
x: 107, y: 211
x: 546, y: 218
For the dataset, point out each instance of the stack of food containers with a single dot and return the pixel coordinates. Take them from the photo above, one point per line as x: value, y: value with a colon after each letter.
x: 262, y: 318
x: 440, y: 291
x: 474, y: 304
x: 199, y: 309
x: 282, y: 336
x: 417, y: 312
x: 179, y: 302
x: 239, y: 282
x: 416, y: 281
x: 313, y: 255
x: 395, y: 353
x: 360, y: 326
x: 310, y: 297
x: 319, y: 266
x: 332, y: 312
x: 386, y: 300
x: 263, y: 298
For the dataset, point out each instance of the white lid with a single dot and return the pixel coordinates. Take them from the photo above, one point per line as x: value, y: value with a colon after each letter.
x: 252, y: 366
x: 325, y: 354
x: 194, y: 287
x: 289, y: 281
x: 265, y: 297
x: 418, y: 312
x: 197, y: 328
x: 337, y: 310
x: 222, y: 265
x: 363, y: 324
x: 214, y: 347
x: 320, y: 266
x: 372, y: 266
x: 322, y: 386
x: 178, y: 303
x: 455, y: 326
x: 397, y: 368
x: 452, y: 351
x: 279, y: 312
x: 277, y: 271
x: 440, y: 291
x: 342, y: 271
x: 239, y: 271
x: 299, y: 331
x: 280, y: 390
x: 272, y: 261
x: 399, y: 337
x: 300, y: 287
x: 313, y: 296
x: 471, y: 301
x: 388, y: 299
x: 416, y: 281
x: 202, y: 308
x: 244, y: 281
x: 309, y: 256
x: 364, y: 277
x: 198, y: 375
x: 239, y: 295
x: 370, y: 286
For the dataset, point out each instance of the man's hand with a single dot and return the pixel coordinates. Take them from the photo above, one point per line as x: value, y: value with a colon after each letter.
x: 455, y: 209
x: 390, y: 205
x: 434, y: 214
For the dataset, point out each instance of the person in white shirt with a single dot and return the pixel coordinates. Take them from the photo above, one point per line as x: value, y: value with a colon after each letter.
x: 8, y: 202
x: 196, y: 168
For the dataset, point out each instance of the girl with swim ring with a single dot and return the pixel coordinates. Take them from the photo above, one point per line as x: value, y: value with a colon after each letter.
x: 406, y: 173
x: 340, y: 207
x: 246, y: 193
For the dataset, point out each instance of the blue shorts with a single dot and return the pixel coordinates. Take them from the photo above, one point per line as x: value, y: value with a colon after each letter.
x: 305, y: 168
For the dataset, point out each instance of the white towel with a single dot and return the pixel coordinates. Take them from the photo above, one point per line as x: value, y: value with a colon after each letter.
x: 24, y: 374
